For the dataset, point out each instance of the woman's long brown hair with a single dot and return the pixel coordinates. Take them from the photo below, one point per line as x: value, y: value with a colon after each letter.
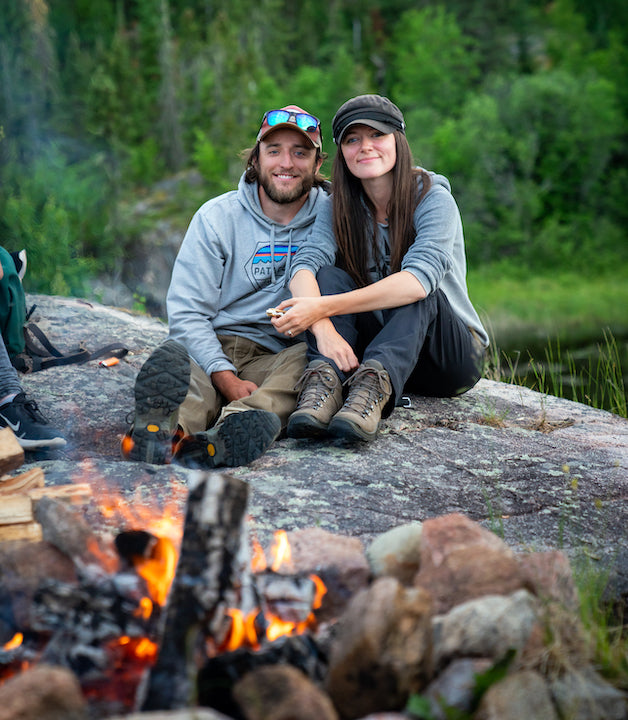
x: 354, y: 214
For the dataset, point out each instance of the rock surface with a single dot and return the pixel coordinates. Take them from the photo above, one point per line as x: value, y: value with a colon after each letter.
x: 542, y: 472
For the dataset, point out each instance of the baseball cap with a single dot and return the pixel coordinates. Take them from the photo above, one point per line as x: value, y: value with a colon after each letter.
x: 293, y: 118
x: 375, y: 111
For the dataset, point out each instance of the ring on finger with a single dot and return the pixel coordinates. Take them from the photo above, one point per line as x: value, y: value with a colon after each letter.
x: 290, y: 333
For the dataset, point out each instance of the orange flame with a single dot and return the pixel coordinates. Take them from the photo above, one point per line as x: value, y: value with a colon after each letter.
x: 144, y: 609
x: 258, y: 559
x: 14, y: 642
x: 158, y: 570
x: 243, y: 631
x: 281, y: 552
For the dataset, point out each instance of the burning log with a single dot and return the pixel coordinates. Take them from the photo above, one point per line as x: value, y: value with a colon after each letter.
x: 212, y: 575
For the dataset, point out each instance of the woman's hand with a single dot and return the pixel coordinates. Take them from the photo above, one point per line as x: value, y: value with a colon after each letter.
x: 300, y: 313
x: 332, y: 345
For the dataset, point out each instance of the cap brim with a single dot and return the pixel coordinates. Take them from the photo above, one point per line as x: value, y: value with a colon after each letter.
x: 289, y: 126
x: 375, y: 124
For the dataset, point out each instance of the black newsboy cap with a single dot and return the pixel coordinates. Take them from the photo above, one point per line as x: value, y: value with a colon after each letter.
x: 373, y: 110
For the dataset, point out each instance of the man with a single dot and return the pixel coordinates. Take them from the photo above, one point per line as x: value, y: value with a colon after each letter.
x: 222, y: 385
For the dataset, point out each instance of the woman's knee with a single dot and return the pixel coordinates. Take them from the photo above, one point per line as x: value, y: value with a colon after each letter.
x: 332, y: 279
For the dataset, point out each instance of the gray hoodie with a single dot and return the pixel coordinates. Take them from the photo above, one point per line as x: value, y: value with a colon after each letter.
x: 436, y: 257
x: 233, y: 264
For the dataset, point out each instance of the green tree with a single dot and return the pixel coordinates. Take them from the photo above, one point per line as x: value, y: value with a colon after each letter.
x: 541, y: 146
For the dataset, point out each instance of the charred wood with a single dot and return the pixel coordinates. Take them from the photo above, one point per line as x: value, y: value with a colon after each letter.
x: 212, y: 575
x: 218, y: 676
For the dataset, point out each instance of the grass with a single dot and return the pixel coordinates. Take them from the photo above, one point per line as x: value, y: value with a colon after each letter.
x: 532, y: 320
x: 596, y: 379
x: 605, y: 623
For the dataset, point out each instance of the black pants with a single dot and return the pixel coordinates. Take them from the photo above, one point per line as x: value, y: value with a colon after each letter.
x: 424, y: 346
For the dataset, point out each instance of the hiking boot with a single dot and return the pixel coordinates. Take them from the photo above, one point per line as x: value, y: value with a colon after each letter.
x: 359, y: 417
x: 28, y: 424
x: 160, y: 387
x: 238, y: 440
x: 320, y: 398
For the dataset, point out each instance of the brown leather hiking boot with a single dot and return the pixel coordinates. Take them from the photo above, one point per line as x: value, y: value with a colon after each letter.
x: 359, y: 417
x: 320, y: 397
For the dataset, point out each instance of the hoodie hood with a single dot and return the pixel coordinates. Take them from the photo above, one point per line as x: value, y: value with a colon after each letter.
x: 280, y: 245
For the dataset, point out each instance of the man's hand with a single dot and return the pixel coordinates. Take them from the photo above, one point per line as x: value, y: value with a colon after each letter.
x: 230, y: 386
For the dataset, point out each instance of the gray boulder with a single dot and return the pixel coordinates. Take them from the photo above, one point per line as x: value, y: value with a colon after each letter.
x: 542, y: 472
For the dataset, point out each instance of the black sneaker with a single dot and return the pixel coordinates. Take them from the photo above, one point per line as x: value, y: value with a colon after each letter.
x: 160, y: 387
x: 241, y: 438
x: 28, y: 424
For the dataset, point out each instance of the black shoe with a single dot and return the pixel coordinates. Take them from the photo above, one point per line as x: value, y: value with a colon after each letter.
x: 28, y: 424
x: 160, y: 387
x: 241, y: 438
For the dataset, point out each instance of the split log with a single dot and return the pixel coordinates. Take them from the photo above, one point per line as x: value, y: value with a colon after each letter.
x: 213, y: 574
x: 74, y: 493
x: 16, y: 509
x: 31, y: 531
x: 29, y: 480
x: 11, y: 452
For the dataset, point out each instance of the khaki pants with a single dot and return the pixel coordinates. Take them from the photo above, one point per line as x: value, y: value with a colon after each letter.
x: 275, y: 375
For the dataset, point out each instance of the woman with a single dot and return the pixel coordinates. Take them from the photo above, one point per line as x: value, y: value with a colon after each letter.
x: 380, y: 285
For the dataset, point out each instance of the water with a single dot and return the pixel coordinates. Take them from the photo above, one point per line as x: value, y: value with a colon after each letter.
x: 595, y: 374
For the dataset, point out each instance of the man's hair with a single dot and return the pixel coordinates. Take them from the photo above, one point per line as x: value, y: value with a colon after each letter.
x: 251, y: 157
x: 354, y: 214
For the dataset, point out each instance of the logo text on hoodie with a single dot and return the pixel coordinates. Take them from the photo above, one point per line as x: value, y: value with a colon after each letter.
x: 267, y: 261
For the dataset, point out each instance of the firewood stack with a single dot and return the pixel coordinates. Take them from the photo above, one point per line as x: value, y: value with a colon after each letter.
x: 20, y: 493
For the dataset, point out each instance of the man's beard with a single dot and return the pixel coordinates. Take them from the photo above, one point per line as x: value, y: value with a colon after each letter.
x: 284, y: 197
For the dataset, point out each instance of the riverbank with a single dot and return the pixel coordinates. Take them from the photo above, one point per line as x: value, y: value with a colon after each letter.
x: 564, y: 331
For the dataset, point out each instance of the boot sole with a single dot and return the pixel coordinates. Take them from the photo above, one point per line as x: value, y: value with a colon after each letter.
x: 241, y: 438
x: 160, y: 388
x: 305, y: 426
x: 347, y: 430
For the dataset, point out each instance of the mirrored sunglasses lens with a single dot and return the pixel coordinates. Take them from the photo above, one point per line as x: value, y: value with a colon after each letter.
x: 307, y: 122
x: 275, y: 117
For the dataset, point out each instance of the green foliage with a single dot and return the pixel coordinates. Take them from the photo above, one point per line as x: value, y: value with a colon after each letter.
x: 603, y: 621
x: 432, y: 63
x: 211, y: 163
x: 532, y: 158
x: 524, y: 106
x: 57, y: 212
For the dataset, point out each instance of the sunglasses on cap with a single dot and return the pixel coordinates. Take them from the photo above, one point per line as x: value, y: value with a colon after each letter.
x: 302, y: 120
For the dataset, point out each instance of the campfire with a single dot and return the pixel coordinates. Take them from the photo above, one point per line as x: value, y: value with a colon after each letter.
x: 127, y: 614
x: 179, y: 607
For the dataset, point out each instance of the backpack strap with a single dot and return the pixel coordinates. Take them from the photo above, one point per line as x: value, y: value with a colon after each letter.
x: 41, y: 354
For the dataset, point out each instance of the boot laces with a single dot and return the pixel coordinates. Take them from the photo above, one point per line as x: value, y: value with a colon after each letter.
x: 368, y: 387
x: 316, y: 385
